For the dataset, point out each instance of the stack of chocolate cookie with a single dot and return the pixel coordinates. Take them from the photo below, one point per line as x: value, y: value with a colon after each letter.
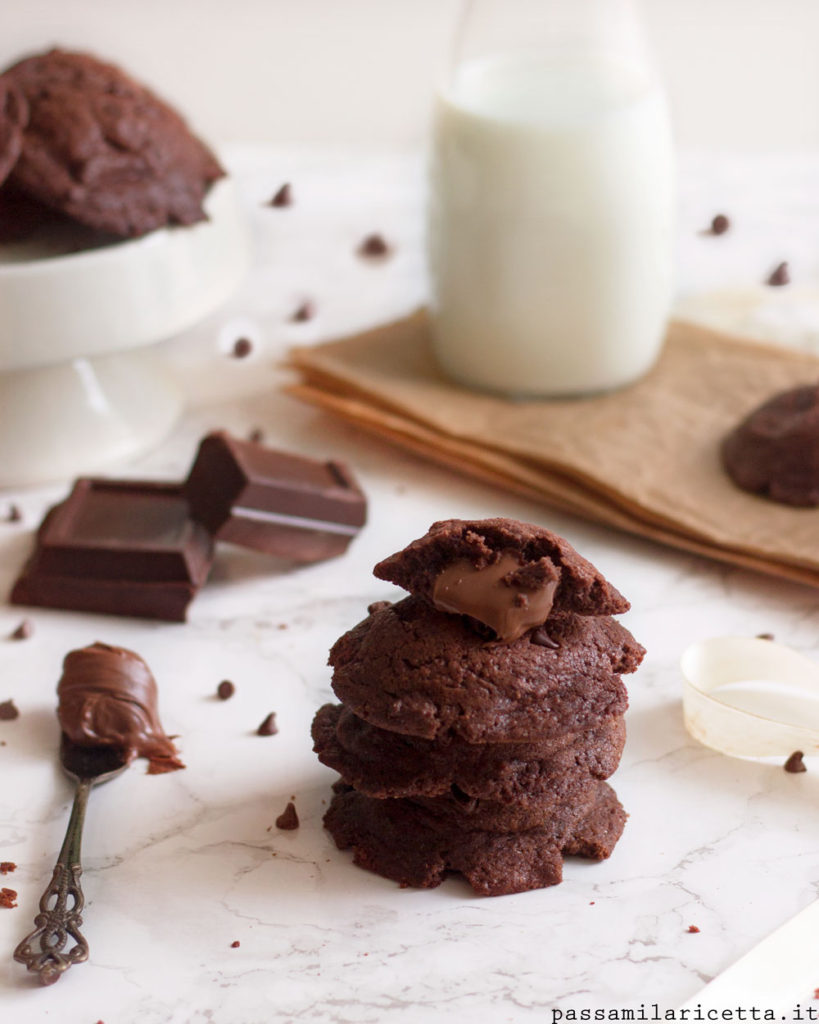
x: 481, y: 714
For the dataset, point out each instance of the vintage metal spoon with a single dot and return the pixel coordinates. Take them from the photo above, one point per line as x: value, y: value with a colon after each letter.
x: 61, y: 905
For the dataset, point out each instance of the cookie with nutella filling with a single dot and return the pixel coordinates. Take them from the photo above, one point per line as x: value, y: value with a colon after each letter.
x: 412, y: 669
x: 101, y: 148
x: 402, y: 841
x: 508, y: 575
x: 386, y: 764
x: 775, y: 450
x: 13, y: 118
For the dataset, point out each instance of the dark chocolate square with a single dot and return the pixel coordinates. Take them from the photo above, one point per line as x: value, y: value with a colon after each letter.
x: 286, y: 505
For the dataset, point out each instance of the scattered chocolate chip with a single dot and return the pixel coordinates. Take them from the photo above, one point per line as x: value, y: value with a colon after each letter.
x: 268, y: 726
x: 235, y: 944
x: 242, y: 348
x: 23, y: 631
x: 765, y: 636
x: 225, y: 690
x: 542, y: 639
x: 795, y: 763
x: 8, y: 898
x: 779, y: 276
x: 284, y: 197
x: 693, y: 929
x: 378, y: 606
x: 256, y: 435
x: 720, y: 224
x: 14, y: 515
x: 7, y: 866
x: 288, y: 819
x: 373, y: 245
x: 8, y: 711
x: 306, y: 311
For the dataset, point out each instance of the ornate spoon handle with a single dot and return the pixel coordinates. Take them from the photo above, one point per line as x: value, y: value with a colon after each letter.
x: 61, y: 906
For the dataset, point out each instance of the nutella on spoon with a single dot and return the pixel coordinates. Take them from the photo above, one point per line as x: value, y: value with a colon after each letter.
x: 108, y: 698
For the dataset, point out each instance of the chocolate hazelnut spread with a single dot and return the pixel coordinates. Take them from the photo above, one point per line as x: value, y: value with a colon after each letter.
x: 108, y: 697
x: 502, y: 595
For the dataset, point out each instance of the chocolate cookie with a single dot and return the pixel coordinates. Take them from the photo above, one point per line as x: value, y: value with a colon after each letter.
x: 775, y: 450
x: 101, y: 148
x: 385, y: 764
x: 13, y: 118
x: 411, y: 669
x: 508, y: 575
x: 399, y: 840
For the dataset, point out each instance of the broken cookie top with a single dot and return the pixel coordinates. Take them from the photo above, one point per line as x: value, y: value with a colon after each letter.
x: 506, y: 574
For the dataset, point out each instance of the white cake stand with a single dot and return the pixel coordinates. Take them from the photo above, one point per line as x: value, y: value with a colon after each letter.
x: 80, y: 384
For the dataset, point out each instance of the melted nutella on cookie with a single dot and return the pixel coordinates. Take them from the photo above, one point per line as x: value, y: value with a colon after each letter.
x: 108, y: 697
x: 500, y: 595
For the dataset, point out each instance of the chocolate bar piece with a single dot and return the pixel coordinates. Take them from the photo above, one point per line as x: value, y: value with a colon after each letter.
x: 120, y: 547
x: 286, y: 505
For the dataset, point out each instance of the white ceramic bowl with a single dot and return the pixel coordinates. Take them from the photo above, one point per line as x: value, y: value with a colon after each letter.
x: 78, y: 388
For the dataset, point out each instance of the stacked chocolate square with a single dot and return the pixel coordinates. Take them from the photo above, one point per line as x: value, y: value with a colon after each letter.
x: 481, y: 714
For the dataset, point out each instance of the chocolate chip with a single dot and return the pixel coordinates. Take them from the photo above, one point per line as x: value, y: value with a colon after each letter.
x: 373, y: 246
x: 765, y: 636
x: 779, y: 276
x: 306, y: 311
x: 542, y: 639
x: 720, y: 224
x: 8, y: 711
x: 225, y: 690
x: 268, y: 726
x: 14, y: 515
x: 242, y: 348
x: 23, y: 631
x: 288, y: 819
x: 795, y: 763
x: 284, y: 197
x: 235, y: 944
x: 256, y: 435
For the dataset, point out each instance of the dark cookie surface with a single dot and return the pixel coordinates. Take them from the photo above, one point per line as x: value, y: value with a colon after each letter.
x: 397, y: 839
x: 13, y: 117
x: 104, y: 150
x: 542, y: 556
x: 414, y: 670
x: 775, y: 450
x: 385, y: 764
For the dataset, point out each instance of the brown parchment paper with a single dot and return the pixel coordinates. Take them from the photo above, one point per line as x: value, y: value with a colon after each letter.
x: 644, y: 459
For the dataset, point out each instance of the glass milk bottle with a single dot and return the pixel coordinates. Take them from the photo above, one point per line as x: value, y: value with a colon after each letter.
x: 551, y: 200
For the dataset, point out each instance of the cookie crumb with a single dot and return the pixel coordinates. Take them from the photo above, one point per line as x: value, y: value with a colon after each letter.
x: 23, y: 631
x: 8, y: 711
x: 779, y: 276
x: 256, y: 436
x: 284, y: 197
x: 306, y: 311
x: 795, y: 763
x: 765, y: 636
x: 14, y: 515
x: 242, y: 348
x: 8, y: 898
x: 7, y: 866
x: 288, y: 819
x: 235, y: 944
x: 374, y: 245
x: 268, y: 726
x: 693, y: 929
x: 225, y: 690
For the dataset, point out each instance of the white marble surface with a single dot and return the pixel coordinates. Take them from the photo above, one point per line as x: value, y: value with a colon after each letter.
x: 178, y: 867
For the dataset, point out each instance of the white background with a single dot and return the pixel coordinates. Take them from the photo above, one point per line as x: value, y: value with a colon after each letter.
x: 742, y: 74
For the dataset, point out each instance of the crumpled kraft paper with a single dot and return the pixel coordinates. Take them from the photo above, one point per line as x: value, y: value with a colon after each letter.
x: 643, y: 459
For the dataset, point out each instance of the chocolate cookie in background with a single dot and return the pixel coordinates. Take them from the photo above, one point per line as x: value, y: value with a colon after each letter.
x: 104, y: 150
x: 481, y: 714
x: 774, y: 451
